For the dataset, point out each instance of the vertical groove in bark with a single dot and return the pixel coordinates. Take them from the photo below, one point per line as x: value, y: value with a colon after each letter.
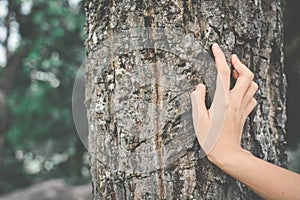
x: 251, y: 29
x: 158, y: 141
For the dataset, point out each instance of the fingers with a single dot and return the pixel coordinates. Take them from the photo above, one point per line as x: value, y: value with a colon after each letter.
x: 252, y: 89
x: 251, y: 105
x: 222, y: 66
x: 245, y: 76
x: 235, y: 74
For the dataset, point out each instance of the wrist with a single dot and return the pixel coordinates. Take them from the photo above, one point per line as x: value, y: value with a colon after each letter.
x: 224, y: 158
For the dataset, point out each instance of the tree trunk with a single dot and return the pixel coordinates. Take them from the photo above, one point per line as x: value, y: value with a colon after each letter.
x: 141, y: 137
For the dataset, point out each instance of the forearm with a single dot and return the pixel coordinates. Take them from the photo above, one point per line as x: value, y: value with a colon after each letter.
x: 266, y: 179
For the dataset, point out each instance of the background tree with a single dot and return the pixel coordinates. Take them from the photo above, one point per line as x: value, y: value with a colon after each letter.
x: 253, y: 30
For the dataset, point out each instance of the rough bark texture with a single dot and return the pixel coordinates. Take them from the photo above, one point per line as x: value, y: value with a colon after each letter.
x: 145, y: 119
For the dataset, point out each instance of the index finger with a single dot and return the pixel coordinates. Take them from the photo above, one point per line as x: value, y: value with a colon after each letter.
x: 222, y: 66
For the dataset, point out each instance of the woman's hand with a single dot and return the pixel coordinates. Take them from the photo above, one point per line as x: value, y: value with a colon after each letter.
x: 219, y: 129
x: 219, y: 132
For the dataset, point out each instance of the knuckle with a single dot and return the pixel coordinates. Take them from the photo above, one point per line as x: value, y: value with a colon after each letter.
x: 254, y: 102
x: 236, y: 107
x: 254, y: 86
x: 226, y: 70
x: 227, y: 105
x: 250, y: 75
x: 236, y: 97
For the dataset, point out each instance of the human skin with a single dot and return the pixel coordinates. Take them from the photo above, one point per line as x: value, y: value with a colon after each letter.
x: 266, y: 179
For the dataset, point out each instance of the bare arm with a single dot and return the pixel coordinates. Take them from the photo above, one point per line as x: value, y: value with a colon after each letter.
x: 266, y: 179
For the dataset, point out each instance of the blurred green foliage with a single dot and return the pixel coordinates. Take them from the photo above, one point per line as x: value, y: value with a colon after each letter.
x: 41, y: 141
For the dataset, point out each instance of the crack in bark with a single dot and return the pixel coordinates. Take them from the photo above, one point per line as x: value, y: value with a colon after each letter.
x: 158, y: 137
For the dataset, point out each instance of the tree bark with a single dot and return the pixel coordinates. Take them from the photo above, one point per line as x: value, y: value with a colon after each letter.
x: 137, y: 120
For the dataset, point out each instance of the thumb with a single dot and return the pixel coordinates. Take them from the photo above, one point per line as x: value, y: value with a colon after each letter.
x: 199, y: 111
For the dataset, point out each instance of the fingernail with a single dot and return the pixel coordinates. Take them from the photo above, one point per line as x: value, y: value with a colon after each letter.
x: 200, y: 86
x: 234, y: 55
x: 215, y: 45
